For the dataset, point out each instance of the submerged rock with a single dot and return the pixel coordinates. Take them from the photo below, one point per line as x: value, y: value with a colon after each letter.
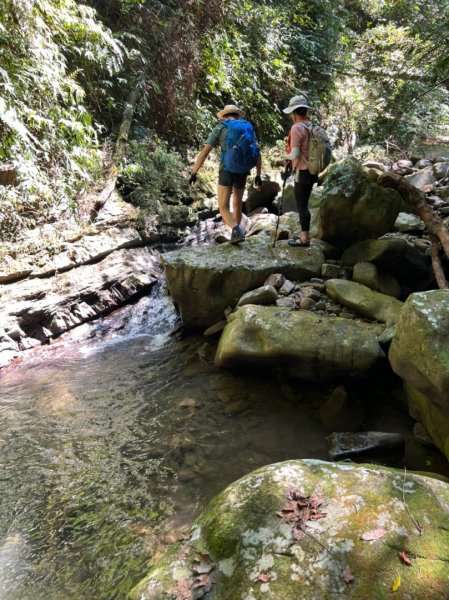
x: 249, y: 544
x: 366, y: 446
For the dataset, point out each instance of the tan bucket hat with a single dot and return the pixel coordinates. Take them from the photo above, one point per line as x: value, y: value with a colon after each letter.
x: 297, y: 102
x: 230, y: 108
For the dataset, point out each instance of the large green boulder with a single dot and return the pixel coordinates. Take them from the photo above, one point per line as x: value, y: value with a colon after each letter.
x: 313, y: 530
x: 205, y: 280
x: 364, y: 301
x: 354, y: 207
x: 303, y: 344
x: 419, y: 352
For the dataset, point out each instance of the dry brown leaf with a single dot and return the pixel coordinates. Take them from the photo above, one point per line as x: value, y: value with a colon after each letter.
x: 347, y: 574
x: 182, y: 591
x: 203, y: 581
x: 375, y: 534
x: 405, y: 558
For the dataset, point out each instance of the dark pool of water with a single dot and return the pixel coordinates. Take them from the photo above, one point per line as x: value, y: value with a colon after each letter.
x: 112, y: 439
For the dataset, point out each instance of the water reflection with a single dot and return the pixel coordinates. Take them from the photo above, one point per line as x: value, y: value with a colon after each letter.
x: 112, y: 440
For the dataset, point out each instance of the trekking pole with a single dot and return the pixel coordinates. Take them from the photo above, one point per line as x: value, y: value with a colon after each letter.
x: 284, y: 176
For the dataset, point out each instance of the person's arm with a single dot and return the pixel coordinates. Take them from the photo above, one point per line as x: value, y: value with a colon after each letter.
x: 295, y: 141
x: 201, y: 158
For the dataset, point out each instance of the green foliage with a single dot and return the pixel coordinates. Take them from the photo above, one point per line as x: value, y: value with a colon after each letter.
x: 152, y: 172
x: 46, y: 132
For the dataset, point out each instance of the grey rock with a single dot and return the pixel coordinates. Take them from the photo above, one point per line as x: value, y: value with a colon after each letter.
x: 408, y: 222
x: 330, y: 270
x: 306, y: 303
x: 367, y: 445
x: 287, y: 288
x: 275, y: 279
x: 266, y: 294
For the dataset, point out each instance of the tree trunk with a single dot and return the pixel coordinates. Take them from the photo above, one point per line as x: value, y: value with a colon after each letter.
x: 120, y: 147
x: 417, y: 201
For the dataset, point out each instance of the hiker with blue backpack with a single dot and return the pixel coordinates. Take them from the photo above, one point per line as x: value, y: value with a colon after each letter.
x: 240, y: 153
x: 308, y: 154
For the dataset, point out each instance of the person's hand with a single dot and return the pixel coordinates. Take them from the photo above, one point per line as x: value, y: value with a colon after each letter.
x: 192, y: 178
x: 286, y: 173
x: 257, y: 181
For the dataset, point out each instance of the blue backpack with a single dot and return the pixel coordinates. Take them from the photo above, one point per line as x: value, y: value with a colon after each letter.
x: 242, y: 149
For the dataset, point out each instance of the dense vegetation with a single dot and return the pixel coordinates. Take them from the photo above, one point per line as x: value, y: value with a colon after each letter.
x: 377, y: 72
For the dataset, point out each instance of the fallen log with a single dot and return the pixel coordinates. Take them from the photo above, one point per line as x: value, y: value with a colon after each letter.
x: 416, y: 200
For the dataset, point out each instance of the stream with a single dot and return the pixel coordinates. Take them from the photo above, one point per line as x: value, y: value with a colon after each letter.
x: 115, y: 436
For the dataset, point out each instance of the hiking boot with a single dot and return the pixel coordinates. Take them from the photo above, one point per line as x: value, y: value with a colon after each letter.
x: 238, y: 235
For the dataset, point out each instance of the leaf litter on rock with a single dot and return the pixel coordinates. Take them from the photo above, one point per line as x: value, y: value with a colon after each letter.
x: 297, y: 511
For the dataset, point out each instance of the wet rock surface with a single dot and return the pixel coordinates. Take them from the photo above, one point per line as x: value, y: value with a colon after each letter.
x: 367, y: 446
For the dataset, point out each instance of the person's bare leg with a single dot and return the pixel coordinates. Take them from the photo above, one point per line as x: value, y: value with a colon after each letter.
x: 237, y: 197
x: 224, y: 197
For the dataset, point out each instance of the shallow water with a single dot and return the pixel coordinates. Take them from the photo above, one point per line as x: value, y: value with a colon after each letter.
x: 113, y: 438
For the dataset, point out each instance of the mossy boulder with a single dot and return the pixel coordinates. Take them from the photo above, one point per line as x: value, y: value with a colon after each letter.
x: 301, y: 343
x: 430, y: 415
x: 364, y: 301
x: 204, y: 280
x: 250, y: 553
x: 419, y: 353
x: 354, y: 207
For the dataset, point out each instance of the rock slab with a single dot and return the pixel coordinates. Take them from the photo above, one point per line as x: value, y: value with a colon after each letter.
x: 204, y: 281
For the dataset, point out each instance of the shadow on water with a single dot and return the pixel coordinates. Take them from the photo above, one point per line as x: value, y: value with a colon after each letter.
x: 113, y: 439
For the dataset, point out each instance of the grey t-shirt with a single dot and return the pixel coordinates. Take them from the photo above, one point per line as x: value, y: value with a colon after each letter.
x: 217, y: 138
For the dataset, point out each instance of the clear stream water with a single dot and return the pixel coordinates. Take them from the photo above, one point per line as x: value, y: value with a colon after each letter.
x: 114, y: 438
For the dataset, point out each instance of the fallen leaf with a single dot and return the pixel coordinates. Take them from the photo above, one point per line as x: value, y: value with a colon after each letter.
x: 347, y: 574
x: 375, y: 534
x: 264, y: 577
x: 405, y: 558
x: 396, y: 584
x: 203, y: 581
x: 182, y: 589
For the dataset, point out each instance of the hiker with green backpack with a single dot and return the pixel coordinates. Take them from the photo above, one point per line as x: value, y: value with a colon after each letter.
x: 308, y: 154
x: 236, y: 138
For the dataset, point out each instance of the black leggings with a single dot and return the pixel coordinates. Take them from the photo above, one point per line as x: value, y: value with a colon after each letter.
x: 303, y: 189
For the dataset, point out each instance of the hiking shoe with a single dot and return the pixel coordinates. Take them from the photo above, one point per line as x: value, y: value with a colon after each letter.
x: 238, y: 235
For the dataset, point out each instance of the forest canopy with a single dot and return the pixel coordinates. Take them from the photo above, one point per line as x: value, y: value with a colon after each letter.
x: 377, y: 73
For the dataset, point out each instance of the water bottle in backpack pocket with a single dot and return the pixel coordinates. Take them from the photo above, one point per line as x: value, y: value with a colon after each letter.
x: 242, y: 148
